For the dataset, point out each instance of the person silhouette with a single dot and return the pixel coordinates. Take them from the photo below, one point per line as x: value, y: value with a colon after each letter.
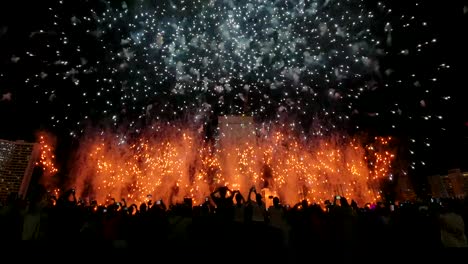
x: 258, y: 207
x: 239, y: 207
x: 224, y: 203
x: 277, y: 220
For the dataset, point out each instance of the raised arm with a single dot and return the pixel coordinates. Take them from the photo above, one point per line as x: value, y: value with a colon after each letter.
x: 163, y: 205
x: 73, y: 193
x: 250, y: 193
x: 232, y: 193
x: 297, y: 205
x: 240, y: 194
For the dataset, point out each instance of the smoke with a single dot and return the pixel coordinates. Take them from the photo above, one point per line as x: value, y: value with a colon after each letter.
x: 174, y: 162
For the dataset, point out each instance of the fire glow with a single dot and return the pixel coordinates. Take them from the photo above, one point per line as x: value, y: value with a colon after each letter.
x: 178, y: 163
x: 47, y: 156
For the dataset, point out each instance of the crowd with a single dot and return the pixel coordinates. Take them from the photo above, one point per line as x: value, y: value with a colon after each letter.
x: 229, y: 221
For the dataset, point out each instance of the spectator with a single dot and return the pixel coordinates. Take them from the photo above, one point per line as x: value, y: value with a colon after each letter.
x: 452, y: 227
x: 277, y: 219
x: 224, y: 203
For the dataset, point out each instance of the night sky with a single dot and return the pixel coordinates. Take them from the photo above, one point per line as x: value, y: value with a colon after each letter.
x: 66, y: 66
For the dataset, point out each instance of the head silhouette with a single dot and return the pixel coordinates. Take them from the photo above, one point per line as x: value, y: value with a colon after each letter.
x: 276, y: 201
x: 143, y: 207
x: 258, y: 198
x: 344, y: 202
x: 238, y: 198
x: 223, y: 192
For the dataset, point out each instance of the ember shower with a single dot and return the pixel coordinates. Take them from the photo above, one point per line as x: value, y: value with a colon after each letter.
x: 152, y: 77
x: 177, y: 162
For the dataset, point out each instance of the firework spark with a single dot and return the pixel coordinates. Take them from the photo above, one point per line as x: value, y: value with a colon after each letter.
x: 178, y: 163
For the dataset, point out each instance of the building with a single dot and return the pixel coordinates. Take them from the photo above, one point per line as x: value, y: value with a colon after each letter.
x: 454, y: 184
x: 456, y: 179
x: 17, y: 161
x: 465, y: 182
x: 404, y: 189
x: 438, y: 186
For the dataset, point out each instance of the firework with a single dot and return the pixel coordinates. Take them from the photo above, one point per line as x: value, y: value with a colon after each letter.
x: 178, y: 163
x: 127, y: 69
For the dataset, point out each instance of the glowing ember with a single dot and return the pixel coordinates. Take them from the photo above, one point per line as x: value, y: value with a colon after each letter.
x: 178, y: 163
x: 47, y: 158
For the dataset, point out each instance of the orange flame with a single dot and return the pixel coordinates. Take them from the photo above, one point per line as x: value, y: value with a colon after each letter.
x: 47, y: 156
x: 178, y: 163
